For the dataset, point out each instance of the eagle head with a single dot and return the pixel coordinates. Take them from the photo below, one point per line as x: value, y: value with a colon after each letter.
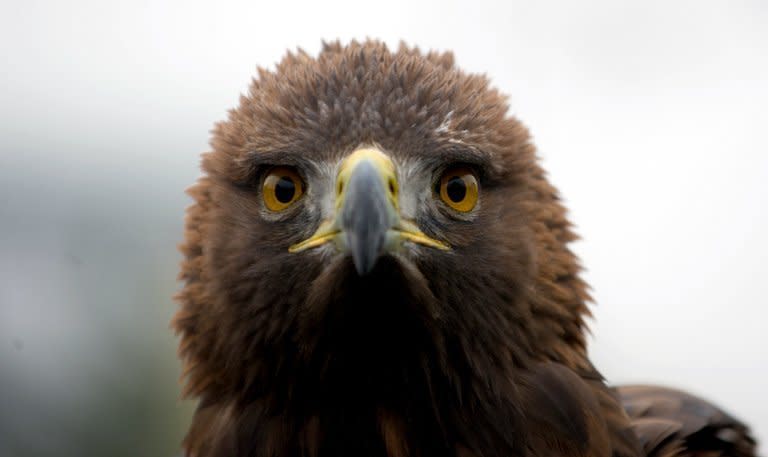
x: 373, y: 252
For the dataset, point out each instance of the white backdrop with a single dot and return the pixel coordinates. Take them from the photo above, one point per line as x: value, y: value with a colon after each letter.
x: 650, y: 116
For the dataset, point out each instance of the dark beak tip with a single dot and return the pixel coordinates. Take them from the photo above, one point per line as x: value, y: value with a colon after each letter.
x: 365, y: 256
x: 364, y: 268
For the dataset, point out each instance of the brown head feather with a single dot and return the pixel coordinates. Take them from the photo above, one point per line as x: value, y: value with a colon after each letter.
x: 439, y: 354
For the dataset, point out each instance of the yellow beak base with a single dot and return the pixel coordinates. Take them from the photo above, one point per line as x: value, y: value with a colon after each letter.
x: 367, y: 221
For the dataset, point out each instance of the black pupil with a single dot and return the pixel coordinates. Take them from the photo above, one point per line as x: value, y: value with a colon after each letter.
x: 456, y: 189
x: 285, y: 189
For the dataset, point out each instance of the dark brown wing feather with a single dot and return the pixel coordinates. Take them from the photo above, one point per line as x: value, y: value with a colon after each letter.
x: 672, y: 423
x: 568, y: 415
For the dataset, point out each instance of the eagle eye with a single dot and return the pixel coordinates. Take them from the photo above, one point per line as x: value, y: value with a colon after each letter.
x: 282, y: 187
x: 458, y: 188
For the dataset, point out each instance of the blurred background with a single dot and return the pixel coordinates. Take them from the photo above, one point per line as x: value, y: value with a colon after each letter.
x: 650, y: 116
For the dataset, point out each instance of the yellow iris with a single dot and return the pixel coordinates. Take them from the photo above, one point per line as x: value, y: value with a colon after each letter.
x: 282, y: 187
x: 459, y: 189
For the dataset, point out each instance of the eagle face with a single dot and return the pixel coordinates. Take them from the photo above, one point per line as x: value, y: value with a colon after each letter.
x: 372, y: 244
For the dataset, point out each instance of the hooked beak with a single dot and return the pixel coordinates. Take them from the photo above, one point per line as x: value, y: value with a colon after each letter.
x: 367, y: 222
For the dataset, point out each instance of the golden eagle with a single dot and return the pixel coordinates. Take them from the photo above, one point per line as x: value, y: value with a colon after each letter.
x: 376, y: 265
